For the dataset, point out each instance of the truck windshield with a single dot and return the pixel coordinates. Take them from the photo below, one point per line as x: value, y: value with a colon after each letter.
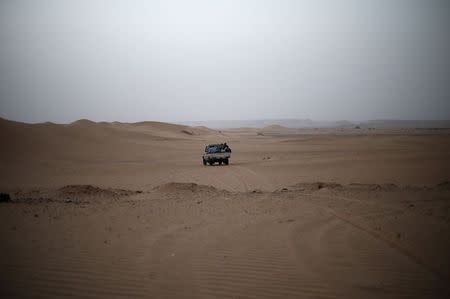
x: 213, y: 149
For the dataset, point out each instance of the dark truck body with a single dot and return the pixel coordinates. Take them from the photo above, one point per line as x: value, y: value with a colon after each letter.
x: 219, y: 153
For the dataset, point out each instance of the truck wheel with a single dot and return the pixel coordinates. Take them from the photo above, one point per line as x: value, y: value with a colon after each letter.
x: 211, y: 163
x: 220, y: 162
x: 204, y: 162
x: 226, y: 161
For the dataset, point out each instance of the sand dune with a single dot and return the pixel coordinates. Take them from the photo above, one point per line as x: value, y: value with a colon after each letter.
x: 128, y: 210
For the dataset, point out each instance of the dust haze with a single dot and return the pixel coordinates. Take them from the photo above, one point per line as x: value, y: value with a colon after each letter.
x: 335, y: 181
x: 217, y: 60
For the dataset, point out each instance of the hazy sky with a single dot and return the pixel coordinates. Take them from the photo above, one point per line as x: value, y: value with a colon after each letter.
x: 207, y: 60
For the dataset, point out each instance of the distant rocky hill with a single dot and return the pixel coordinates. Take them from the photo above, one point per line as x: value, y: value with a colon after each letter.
x: 308, y: 123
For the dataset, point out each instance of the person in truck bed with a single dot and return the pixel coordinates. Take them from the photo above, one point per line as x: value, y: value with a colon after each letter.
x: 226, y: 148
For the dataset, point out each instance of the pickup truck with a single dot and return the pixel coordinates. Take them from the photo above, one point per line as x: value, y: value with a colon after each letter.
x: 220, y: 153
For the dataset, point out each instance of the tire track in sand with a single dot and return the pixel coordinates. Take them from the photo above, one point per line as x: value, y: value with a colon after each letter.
x: 357, y: 263
x: 407, y: 252
x: 250, y: 179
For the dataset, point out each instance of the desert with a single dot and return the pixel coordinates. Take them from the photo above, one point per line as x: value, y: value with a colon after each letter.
x: 109, y: 209
x: 225, y: 149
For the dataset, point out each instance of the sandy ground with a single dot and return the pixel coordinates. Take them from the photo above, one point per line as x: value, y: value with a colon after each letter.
x: 124, y: 210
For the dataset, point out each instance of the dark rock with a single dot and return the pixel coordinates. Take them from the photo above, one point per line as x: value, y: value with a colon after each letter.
x: 4, y: 197
x: 443, y: 185
x: 286, y: 221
